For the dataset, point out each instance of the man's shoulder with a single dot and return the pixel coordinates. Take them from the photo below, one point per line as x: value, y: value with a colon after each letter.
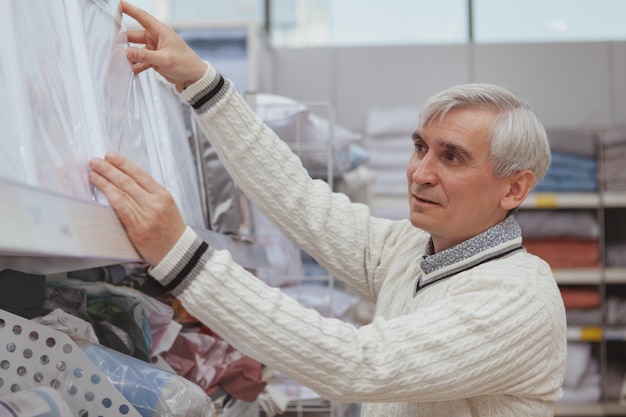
x: 528, y: 263
x: 521, y: 269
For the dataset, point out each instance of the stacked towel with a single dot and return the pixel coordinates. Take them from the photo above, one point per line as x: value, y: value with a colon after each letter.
x: 574, y: 166
x: 613, y: 142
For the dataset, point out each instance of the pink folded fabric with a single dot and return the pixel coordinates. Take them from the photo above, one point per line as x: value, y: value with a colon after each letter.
x: 580, y: 298
x: 566, y: 252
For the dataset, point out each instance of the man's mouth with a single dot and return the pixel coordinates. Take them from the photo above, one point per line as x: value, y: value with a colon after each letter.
x: 422, y: 199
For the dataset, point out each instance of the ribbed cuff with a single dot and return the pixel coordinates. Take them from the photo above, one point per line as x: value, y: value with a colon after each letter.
x: 209, y: 78
x: 163, y: 270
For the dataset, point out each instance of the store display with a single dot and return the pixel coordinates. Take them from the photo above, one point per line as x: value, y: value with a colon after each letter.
x: 67, y: 94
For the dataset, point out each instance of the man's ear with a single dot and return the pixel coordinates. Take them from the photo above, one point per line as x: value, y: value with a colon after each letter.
x: 519, y: 185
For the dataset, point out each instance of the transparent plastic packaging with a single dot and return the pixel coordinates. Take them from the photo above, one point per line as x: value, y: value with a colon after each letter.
x: 151, y: 390
x: 172, y: 161
x: 14, y: 163
x: 47, y: 98
x: 68, y: 93
x: 112, y: 98
x: 314, y: 138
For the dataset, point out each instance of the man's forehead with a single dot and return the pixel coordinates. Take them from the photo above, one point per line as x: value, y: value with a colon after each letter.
x: 462, y: 122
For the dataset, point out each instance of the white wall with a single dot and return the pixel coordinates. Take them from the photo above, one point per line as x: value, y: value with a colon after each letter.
x: 618, y: 55
x: 570, y: 84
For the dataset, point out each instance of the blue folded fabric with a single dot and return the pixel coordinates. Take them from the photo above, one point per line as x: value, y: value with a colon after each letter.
x: 563, y: 160
x: 569, y: 173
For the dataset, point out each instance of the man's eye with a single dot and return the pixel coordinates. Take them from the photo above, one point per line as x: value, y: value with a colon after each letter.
x: 451, y: 157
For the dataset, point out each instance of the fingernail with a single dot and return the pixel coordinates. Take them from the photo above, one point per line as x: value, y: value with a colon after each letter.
x: 130, y: 53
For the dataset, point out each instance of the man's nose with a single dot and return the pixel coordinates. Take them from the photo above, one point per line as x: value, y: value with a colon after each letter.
x: 425, y: 170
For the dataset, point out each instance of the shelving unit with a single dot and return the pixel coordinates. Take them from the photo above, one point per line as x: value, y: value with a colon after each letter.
x: 601, y: 277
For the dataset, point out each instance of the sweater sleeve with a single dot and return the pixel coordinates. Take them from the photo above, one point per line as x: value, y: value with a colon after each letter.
x: 490, y: 333
x: 340, y: 235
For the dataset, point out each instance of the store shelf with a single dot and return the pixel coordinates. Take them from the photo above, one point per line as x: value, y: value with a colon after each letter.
x: 614, y: 199
x: 590, y: 276
x: 561, y: 200
x: 615, y: 409
x: 615, y: 333
x: 534, y: 200
x: 596, y: 333
x: 578, y: 276
x: 44, y: 233
x: 574, y: 200
x: 585, y: 333
x: 599, y: 409
x: 580, y: 410
x: 615, y: 275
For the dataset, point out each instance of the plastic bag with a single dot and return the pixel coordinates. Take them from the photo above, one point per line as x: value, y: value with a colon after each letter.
x: 151, y: 390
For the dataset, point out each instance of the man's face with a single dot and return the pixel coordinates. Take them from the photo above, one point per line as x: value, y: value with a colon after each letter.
x: 453, y: 193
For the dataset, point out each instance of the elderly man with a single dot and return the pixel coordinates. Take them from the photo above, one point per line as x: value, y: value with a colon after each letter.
x: 467, y: 322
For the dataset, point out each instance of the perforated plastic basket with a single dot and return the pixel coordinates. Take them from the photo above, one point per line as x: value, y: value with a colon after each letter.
x: 35, y: 355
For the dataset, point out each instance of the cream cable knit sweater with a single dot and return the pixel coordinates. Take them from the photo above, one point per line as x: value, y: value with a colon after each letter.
x: 488, y: 341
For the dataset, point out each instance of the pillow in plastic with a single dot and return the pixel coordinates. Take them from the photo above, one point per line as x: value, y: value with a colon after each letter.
x: 151, y: 390
x: 308, y: 134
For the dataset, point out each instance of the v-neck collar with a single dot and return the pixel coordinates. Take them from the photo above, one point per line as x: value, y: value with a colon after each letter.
x: 500, y: 240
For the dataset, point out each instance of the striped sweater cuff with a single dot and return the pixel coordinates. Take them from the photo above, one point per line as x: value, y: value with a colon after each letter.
x: 182, y: 263
x: 208, y: 90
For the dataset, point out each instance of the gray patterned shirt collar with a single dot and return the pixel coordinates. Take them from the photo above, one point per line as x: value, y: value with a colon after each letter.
x: 507, y: 230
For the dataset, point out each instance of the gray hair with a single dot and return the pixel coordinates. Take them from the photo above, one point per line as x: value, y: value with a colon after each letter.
x: 518, y: 139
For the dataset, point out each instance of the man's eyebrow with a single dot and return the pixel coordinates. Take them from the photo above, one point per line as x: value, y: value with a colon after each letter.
x: 456, y: 148
x: 417, y: 135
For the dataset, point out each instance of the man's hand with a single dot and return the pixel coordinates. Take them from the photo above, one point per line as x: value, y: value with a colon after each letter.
x: 162, y: 50
x: 146, y: 209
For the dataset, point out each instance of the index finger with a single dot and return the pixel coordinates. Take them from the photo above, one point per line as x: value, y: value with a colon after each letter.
x: 144, y: 18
